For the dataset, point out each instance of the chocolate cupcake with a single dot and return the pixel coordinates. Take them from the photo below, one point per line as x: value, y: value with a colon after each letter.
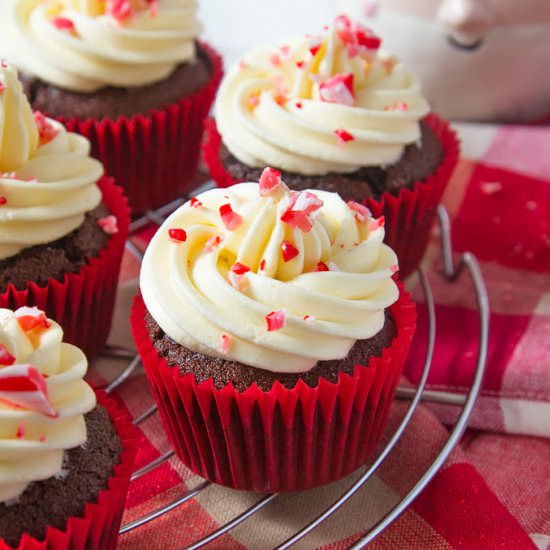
x: 129, y: 75
x: 334, y: 112
x: 66, y: 460
x: 62, y: 223
x: 266, y: 313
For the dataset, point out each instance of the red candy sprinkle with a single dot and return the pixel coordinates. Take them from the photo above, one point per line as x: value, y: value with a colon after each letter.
x: 108, y: 224
x: 275, y: 59
x: 355, y: 36
x: 153, y: 8
x: 377, y: 223
x: 289, y: 251
x: 237, y: 273
x: 338, y: 89
x: 6, y: 358
x: 226, y: 340
x: 3, y: 200
x: 20, y: 433
x: 253, y: 101
x: 361, y: 212
x: 309, y: 318
x: 195, y: 203
x: 270, y: 182
x: 315, y: 44
x: 24, y: 386
x: 262, y: 265
x: 63, y: 24
x: 177, y: 235
x: 230, y: 219
x: 275, y: 320
x: 343, y: 135
x: 321, y: 266
x: 46, y: 130
x: 30, y: 318
x: 394, y: 268
x: 301, y: 206
x: 298, y: 105
x: 299, y: 64
x: 119, y: 9
x: 213, y: 242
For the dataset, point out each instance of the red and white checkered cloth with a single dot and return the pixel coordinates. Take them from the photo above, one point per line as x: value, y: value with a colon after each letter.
x: 494, y: 491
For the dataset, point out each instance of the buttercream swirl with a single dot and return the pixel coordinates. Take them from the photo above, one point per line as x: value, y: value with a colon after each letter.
x: 47, y: 177
x: 31, y: 443
x: 277, y: 281
x: 85, y: 45
x: 331, y: 103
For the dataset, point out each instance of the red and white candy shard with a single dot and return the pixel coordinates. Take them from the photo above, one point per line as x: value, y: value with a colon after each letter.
x: 226, y: 340
x: 30, y: 318
x: 237, y: 274
x: 120, y: 10
x: 355, y: 36
x: 338, y: 89
x: 298, y: 213
x: 275, y: 320
x: 195, y: 203
x: 46, y: 131
x: 108, y: 224
x: 270, y: 182
x: 289, y: 251
x: 229, y: 217
x: 343, y: 135
x: 6, y: 358
x: 24, y: 386
x: 361, y: 212
x: 213, y: 242
x: 377, y: 223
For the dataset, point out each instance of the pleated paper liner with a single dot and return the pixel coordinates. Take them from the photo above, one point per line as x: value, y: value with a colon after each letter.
x: 98, y: 527
x: 408, y: 216
x: 277, y: 440
x: 153, y: 156
x: 83, y: 302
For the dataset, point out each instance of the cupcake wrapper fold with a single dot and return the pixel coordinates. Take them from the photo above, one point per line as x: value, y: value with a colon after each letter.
x: 83, y: 302
x: 408, y: 216
x: 277, y: 440
x: 153, y: 156
x: 98, y: 527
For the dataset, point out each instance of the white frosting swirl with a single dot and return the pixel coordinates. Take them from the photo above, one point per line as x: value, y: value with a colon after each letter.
x: 46, y: 187
x: 280, y: 107
x: 189, y: 288
x: 32, y: 444
x: 85, y: 45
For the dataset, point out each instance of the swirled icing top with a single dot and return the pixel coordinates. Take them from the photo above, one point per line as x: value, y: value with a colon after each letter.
x: 85, y: 45
x: 269, y: 277
x: 319, y: 104
x: 43, y: 398
x: 47, y: 177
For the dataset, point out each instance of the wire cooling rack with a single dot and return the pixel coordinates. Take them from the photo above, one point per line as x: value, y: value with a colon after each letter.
x: 452, y: 269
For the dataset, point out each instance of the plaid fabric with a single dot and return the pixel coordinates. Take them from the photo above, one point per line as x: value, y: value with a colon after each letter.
x: 493, y: 492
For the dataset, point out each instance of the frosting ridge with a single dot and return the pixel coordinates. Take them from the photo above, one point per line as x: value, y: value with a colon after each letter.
x: 319, y: 104
x: 269, y: 277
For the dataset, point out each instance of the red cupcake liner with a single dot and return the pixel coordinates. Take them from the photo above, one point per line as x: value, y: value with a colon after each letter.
x: 277, y: 440
x: 83, y: 302
x: 153, y: 156
x: 408, y: 216
x: 98, y: 527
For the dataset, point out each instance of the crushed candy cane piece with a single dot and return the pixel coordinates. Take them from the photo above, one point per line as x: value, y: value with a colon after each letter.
x: 213, y: 242
x: 289, y: 251
x: 229, y: 217
x: 20, y: 433
x: 195, y: 203
x: 321, y: 266
x: 400, y: 106
x: 24, y: 386
x: 490, y: 187
x: 253, y: 101
x: 262, y: 265
x: 109, y: 224
x: 361, y: 212
x: 298, y: 105
x: 275, y: 60
x: 237, y: 273
x: 338, y: 89
x: 153, y: 8
x: 177, y: 235
x: 298, y: 213
x: 270, y: 182
x: 309, y: 318
x: 30, y: 318
x: 46, y: 130
x: 315, y: 43
x: 343, y: 135
x: 6, y: 358
x: 226, y: 341
x: 63, y: 24
x: 120, y: 10
x: 300, y: 64
x: 377, y: 223
x: 394, y: 268
x: 355, y: 36
x: 243, y: 65
x: 275, y: 320
x: 3, y: 200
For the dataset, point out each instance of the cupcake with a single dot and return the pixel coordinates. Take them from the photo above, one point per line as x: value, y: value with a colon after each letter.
x: 272, y: 333
x: 62, y: 223
x: 127, y: 74
x: 66, y: 458
x: 334, y: 112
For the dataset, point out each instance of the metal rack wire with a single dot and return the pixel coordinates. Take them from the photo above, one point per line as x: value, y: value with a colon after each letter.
x: 451, y: 271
